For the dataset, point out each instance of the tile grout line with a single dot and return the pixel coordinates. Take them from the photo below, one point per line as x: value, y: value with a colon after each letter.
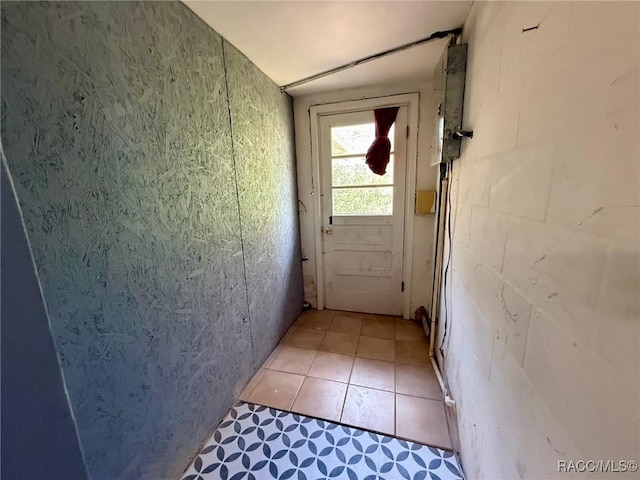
x: 366, y: 429
x: 346, y: 392
x: 304, y: 379
x: 296, y: 395
x: 349, y: 383
x: 355, y: 355
x: 361, y: 427
x: 395, y: 414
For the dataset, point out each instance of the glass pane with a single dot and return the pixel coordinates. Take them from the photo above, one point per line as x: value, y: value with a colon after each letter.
x: 355, y: 139
x: 363, y: 201
x: 353, y: 171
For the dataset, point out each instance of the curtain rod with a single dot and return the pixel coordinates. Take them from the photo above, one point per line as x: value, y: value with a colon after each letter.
x: 355, y: 63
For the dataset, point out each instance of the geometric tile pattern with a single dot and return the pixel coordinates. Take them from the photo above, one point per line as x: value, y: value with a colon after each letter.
x: 259, y: 443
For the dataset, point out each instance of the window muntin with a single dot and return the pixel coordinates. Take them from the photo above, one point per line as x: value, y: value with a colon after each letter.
x: 356, y: 190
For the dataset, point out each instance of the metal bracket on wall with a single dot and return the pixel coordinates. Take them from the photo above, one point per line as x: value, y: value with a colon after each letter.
x: 460, y: 134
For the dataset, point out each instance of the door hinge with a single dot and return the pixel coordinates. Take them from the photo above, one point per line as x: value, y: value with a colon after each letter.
x: 407, y: 131
x: 402, y: 287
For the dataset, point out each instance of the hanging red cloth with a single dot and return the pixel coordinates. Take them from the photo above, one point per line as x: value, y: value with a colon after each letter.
x: 378, y: 153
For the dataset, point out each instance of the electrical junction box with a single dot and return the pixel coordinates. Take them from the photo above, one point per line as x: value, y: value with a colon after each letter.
x: 449, y: 79
x: 425, y: 202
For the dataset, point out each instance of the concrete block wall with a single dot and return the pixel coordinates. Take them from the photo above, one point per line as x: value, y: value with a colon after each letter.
x: 155, y: 170
x: 542, y: 350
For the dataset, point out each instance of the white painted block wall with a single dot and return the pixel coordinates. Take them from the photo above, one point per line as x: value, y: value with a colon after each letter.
x: 542, y: 355
x: 423, y: 237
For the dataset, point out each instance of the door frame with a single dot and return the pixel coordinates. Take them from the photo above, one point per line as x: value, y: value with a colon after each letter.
x: 412, y: 102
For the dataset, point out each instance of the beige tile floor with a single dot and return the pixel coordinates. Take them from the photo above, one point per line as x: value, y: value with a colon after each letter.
x: 368, y: 371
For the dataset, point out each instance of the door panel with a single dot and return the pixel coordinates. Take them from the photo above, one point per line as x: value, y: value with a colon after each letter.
x: 355, y: 259
x: 363, y: 215
x: 366, y: 236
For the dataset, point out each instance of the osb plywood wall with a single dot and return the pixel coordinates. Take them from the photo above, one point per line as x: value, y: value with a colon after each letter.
x: 167, y: 247
x: 269, y: 215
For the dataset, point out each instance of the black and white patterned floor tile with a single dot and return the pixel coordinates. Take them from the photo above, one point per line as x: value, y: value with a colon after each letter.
x: 258, y: 443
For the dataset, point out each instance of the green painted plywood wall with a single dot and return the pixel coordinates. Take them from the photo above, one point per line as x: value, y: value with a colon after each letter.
x: 154, y: 166
x: 263, y: 143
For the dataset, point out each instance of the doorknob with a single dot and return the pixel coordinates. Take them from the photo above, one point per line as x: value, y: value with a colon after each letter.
x: 328, y: 230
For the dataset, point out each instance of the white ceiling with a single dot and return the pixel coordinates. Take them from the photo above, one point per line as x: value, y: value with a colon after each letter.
x: 291, y: 40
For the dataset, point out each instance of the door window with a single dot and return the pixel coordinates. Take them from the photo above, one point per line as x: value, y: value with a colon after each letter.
x: 356, y: 190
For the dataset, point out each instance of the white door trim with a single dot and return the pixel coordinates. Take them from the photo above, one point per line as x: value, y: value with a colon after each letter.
x: 411, y: 101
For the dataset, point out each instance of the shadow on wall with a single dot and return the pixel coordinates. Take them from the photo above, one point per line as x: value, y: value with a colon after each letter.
x: 32, y: 385
x: 154, y: 166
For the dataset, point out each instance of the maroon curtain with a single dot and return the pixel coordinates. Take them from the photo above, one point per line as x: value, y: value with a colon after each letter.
x: 378, y: 153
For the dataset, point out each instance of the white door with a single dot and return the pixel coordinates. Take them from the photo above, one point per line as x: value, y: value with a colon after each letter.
x: 362, y: 215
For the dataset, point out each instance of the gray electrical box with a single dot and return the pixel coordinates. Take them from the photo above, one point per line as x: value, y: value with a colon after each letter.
x: 449, y: 78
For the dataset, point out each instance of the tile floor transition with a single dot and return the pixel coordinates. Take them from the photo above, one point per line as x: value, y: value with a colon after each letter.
x: 254, y: 442
x: 367, y: 371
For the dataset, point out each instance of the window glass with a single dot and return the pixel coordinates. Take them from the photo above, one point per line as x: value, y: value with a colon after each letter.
x: 363, y: 201
x: 355, y: 139
x: 356, y: 190
x: 353, y: 171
